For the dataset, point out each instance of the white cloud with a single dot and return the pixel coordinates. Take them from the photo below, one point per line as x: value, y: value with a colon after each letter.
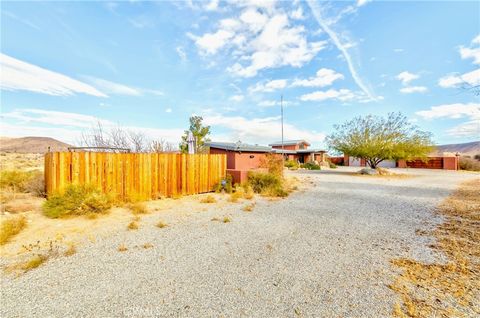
x: 259, y: 130
x: 258, y: 40
x: 269, y: 86
x: 275, y: 103
x: 168, y: 110
x: 237, y: 98
x: 413, y: 89
x: 470, y: 78
x: 406, y: 77
x: 113, y: 88
x: 471, y: 52
x: 210, y: 43
x: 324, y: 77
x: 120, y: 89
x: 69, y: 126
x: 458, y: 110
x: 316, y: 10
x: 362, y: 2
x: 398, y: 50
x: 318, y: 96
x: 470, y: 128
x: 476, y: 40
x: 297, y: 14
x: 19, y: 75
x: 181, y: 53
x: 212, y: 5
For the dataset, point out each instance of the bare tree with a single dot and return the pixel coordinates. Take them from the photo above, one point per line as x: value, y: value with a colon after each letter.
x: 161, y: 146
x: 137, y: 141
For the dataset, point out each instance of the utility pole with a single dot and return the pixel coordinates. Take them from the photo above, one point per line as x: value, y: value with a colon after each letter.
x: 283, y: 149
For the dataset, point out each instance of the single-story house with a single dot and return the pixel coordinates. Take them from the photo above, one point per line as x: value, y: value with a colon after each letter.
x: 298, y: 150
x: 243, y: 157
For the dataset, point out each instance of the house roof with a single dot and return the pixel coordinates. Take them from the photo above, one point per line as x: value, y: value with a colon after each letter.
x: 290, y: 142
x: 233, y: 146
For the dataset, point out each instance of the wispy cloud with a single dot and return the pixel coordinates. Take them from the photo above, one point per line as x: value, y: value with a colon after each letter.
x: 120, y: 89
x: 17, y: 18
x: 471, y: 111
x: 70, y: 126
x: 268, y: 86
x: 237, y: 98
x: 454, y: 80
x: 259, y: 130
x: 19, y: 75
x: 324, y: 77
x: 406, y: 77
x: 413, y: 89
x: 314, y: 7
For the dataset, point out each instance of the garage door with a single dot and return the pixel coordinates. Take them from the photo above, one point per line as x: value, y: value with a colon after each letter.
x: 388, y: 164
x: 353, y: 162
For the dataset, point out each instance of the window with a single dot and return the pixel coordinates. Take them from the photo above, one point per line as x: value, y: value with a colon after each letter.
x: 301, y: 146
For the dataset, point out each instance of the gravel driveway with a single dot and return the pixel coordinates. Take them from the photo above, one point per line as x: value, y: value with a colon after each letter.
x: 322, y: 252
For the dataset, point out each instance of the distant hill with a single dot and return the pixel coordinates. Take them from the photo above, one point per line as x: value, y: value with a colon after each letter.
x: 466, y: 149
x: 31, y: 144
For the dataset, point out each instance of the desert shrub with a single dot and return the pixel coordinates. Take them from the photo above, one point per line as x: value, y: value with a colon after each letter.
x: 16, y: 180
x: 208, y: 199
x: 77, y: 200
x: 237, y: 194
x: 133, y: 225
x: 34, y: 262
x: 249, y: 194
x: 138, y: 208
x: 332, y: 165
x: 310, y: 166
x: 161, y: 224
x: 291, y: 164
x: 11, y: 227
x: 225, y: 184
x: 248, y: 207
x: 477, y: 157
x: 36, y: 184
x: 259, y: 181
x: 469, y: 164
x: 273, y: 163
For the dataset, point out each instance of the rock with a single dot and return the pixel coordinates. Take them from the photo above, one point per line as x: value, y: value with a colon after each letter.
x: 368, y: 171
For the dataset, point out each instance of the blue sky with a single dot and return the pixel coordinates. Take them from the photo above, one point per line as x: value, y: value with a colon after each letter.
x: 148, y: 66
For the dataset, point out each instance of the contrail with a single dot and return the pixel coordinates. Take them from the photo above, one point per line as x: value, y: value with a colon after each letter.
x: 316, y: 13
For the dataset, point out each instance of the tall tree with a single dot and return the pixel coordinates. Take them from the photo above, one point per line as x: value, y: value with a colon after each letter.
x: 199, y: 132
x: 376, y: 139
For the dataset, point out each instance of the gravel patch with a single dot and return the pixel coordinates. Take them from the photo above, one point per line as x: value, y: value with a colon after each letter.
x: 322, y: 252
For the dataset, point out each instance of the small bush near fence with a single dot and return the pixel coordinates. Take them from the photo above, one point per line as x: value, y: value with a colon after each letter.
x: 310, y: 166
x: 267, y: 184
x: 77, y: 200
x: 469, y: 164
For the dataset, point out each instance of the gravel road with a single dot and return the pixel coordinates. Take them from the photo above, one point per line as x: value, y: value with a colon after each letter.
x: 322, y: 252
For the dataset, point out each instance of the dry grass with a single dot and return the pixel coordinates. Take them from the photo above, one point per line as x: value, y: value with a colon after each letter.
x: 122, y: 248
x: 249, y: 194
x: 237, y: 195
x: 138, y: 208
x: 133, y: 225
x: 34, y: 262
x: 161, y: 224
x: 147, y: 245
x: 71, y: 250
x: 249, y: 207
x: 226, y: 219
x: 208, y: 199
x: 11, y: 227
x: 451, y: 289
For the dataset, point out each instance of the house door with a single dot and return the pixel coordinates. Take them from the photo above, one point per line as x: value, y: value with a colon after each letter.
x: 301, y: 158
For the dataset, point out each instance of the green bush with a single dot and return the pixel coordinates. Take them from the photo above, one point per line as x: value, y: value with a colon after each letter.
x: 260, y: 181
x: 16, y: 180
x: 469, y: 164
x: 77, y: 200
x: 332, y: 165
x: 291, y: 164
x: 310, y: 166
x: 228, y: 187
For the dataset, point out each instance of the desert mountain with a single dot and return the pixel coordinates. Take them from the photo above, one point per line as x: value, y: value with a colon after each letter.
x: 465, y: 149
x: 31, y: 144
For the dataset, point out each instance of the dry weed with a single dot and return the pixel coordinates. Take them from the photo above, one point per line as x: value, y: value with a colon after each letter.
x: 451, y: 289
x: 249, y: 207
x: 208, y: 199
x: 122, y: 248
x: 133, y: 225
x: 161, y: 224
x: 11, y: 227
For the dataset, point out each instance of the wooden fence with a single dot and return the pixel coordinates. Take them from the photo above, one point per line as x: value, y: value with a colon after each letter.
x: 135, y: 175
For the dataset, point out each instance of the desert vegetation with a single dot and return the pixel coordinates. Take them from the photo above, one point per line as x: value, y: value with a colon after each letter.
x: 11, y: 227
x: 470, y: 164
x: 77, y: 200
x: 377, y: 139
x: 450, y: 289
